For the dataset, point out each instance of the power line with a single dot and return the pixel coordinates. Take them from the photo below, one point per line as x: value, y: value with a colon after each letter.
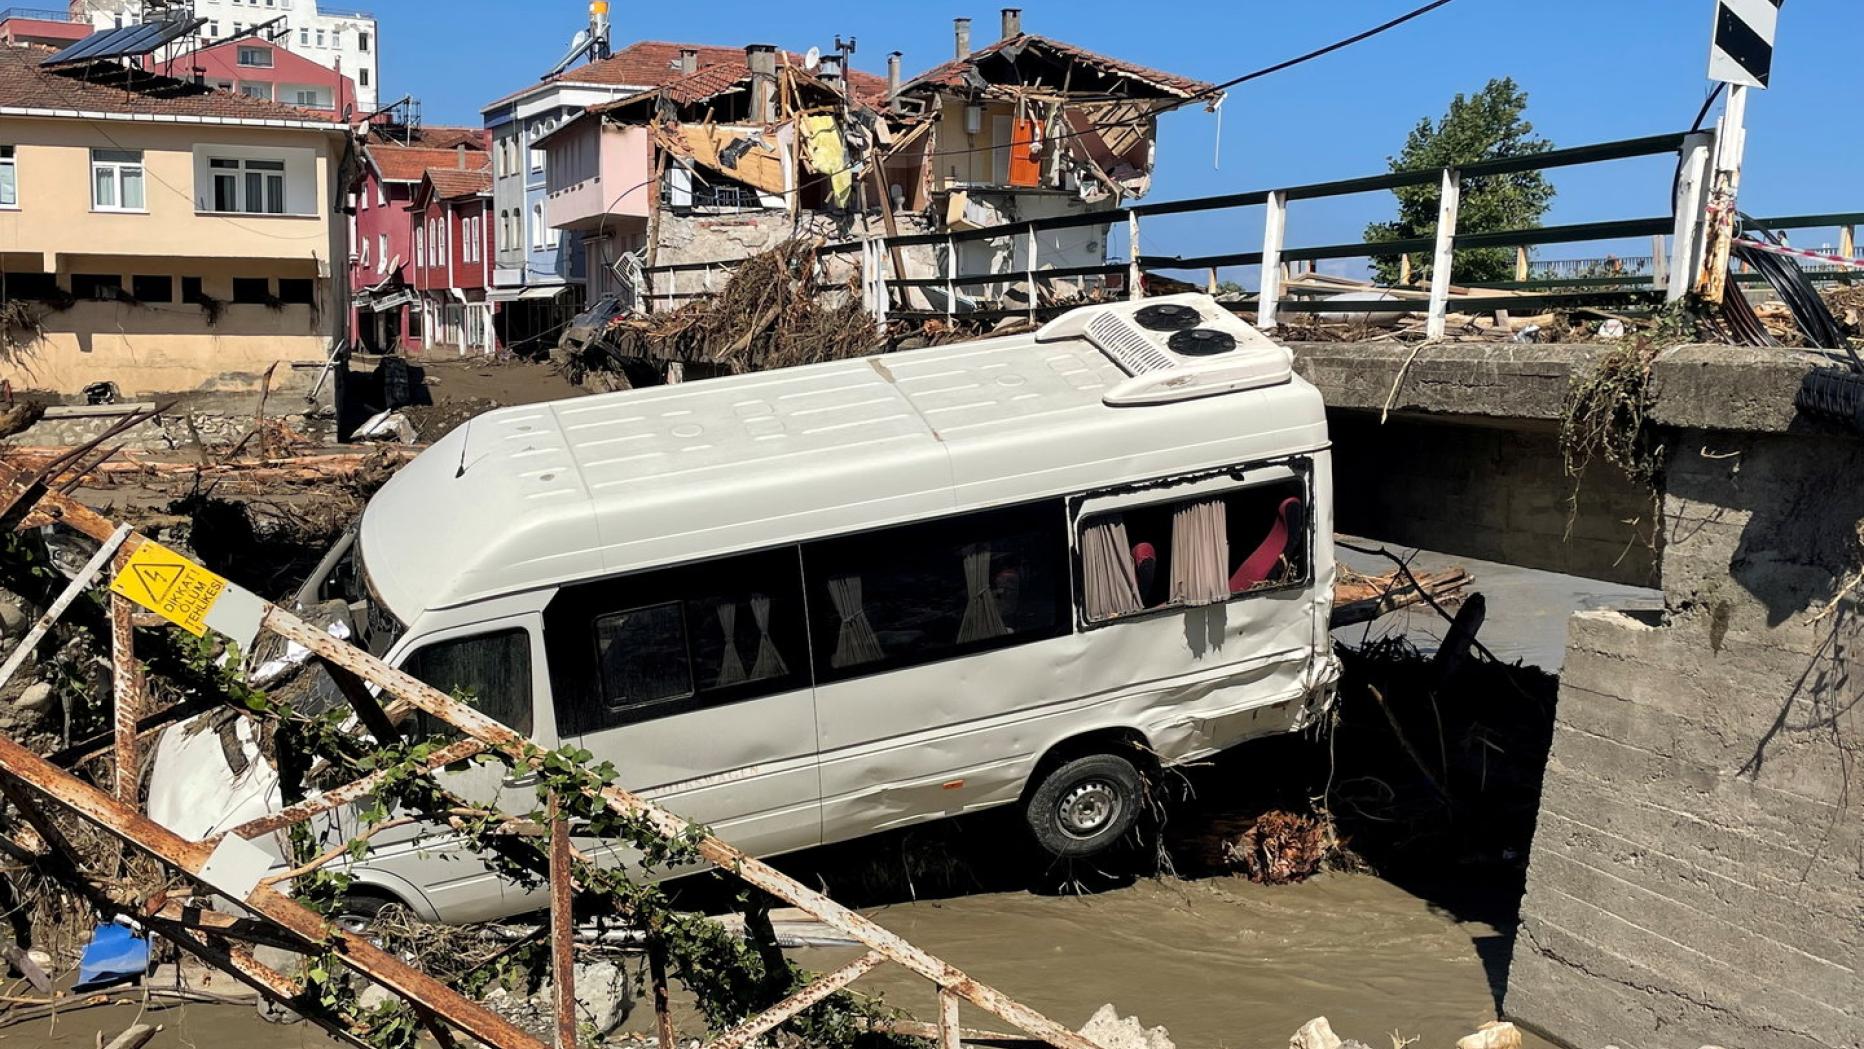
x: 1329, y: 49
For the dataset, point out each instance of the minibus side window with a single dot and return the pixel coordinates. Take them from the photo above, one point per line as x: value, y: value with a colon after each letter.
x: 1202, y: 550
x: 918, y: 593
x: 490, y: 672
x: 662, y: 642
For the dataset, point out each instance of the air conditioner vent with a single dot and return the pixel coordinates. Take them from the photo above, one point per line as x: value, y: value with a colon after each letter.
x: 1127, y: 346
x: 1201, y: 342
x: 1168, y: 316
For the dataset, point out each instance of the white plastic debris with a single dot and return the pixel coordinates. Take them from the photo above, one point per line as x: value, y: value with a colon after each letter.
x: 387, y: 426
x: 1612, y: 329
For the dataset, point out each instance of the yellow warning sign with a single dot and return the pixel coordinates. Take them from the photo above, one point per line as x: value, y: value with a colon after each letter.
x: 170, y: 585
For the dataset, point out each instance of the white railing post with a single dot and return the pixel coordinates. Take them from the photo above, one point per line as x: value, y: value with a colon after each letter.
x: 883, y: 292
x: 1445, y: 255
x: 1133, y: 290
x: 1690, y: 206
x: 951, y: 276
x: 1274, y: 230
x: 1721, y: 224
x: 1029, y: 272
x: 1659, y: 263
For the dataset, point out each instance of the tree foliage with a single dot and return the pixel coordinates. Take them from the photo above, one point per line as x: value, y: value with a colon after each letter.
x: 1488, y: 125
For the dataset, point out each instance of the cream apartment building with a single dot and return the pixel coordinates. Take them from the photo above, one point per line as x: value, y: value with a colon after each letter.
x: 163, y: 236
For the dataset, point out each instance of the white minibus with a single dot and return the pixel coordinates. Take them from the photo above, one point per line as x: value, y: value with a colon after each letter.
x: 806, y: 605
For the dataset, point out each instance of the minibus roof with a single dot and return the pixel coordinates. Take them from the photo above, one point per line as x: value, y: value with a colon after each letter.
x: 547, y: 494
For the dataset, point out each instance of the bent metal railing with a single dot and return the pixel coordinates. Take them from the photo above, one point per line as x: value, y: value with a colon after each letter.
x: 884, y: 289
x: 229, y: 865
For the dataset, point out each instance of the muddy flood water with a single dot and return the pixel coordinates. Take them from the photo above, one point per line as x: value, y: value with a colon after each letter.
x: 1219, y: 962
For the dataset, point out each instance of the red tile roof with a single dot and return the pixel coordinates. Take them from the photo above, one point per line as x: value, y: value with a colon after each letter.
x: 656, y: 63
x: 951, y: 74
x: 409, y: 163
x: 106, y: 88
x: 452, y: 183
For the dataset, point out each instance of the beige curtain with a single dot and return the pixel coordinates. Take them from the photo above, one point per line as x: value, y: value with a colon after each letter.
x: 769, y: 661
x: 731, y: 665
x: 1200, y: 553
x: 982, y: 616
x: 856, y: 642
x: 1108, y: 582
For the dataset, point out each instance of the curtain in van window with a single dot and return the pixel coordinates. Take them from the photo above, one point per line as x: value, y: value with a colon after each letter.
x: 731, y: 664
x: 983, y: 617
x: 855, y: 642
x: 1109, y: 583
x: 1200, y: 553
x: 769, y: 661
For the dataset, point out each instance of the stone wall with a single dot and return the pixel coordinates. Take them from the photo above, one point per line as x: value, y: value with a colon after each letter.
x: 1697, y: 874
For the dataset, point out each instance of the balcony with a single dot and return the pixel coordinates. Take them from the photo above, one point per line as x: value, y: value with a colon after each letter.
x: 41, y: 14
x: 599, y: 177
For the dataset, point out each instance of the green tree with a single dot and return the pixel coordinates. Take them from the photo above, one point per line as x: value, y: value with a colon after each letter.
x: 1485, y: 126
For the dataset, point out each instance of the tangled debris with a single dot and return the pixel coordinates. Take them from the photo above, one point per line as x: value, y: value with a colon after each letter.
x: 775, y: 312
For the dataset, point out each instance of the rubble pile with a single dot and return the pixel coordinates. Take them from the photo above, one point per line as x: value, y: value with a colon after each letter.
x: 772, y: 314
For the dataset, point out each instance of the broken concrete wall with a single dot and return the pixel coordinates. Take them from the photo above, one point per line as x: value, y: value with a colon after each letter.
x: 1697, y: 874
x: 699, y: 237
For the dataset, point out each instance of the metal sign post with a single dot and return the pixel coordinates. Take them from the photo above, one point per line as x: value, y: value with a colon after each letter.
x: 1741, y: 56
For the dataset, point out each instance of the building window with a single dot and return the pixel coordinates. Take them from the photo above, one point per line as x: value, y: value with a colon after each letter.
x: 9, y: 178
x: 362, y: 41
x: 537, y: 226
x: 253, y: 187
x: 381, y: 195
x: 362, y: 76
x: 310, y: 98
x: 116, y: 180
x: 213, y: 28
x: 381, y: 253
x: 320, y: 38
x: 255, y: 56
x: 40, y: 286
x: 152, y: 288
x: 336, y: 38
x: 191, y: 292
x: 420, y: 249
x: 537, y: 155
x: 1204, y: 550
x: 301, y: 291
x: 304, y: 38
x: 252, y: 291
x: 362, y: 250
x: 97, y: 287
x: 255, y: 90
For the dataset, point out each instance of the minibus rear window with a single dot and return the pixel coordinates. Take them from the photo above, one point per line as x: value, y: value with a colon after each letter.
x: 489, y: 672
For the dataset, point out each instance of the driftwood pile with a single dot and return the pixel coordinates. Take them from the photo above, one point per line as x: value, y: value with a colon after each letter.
x: 775, y: 312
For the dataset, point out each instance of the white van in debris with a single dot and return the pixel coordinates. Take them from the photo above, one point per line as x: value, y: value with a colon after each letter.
x: 810, y: 604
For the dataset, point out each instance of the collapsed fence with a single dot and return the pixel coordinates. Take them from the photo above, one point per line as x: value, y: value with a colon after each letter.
x: 886, y: 292
x: 359, y: 752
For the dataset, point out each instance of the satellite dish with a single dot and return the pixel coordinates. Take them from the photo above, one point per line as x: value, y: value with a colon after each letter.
x: 812, y: 58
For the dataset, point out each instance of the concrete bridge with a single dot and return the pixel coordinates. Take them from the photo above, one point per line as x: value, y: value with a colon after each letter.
x: 1697, y: 875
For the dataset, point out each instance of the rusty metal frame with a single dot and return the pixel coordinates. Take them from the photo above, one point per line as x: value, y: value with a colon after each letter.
x: 437, y: 1005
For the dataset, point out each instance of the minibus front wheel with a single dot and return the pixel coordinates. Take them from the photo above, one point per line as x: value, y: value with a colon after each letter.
x: 1085, y: 806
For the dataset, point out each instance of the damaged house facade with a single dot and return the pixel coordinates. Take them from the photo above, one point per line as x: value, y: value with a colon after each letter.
x: 396, y: 155
x: 161, y: 235
x: 732, y: 158
x: 724, y: 161
x: 1030, y: 127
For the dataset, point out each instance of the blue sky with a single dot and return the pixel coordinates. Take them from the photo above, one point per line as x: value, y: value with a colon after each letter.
x: 1594, y: 70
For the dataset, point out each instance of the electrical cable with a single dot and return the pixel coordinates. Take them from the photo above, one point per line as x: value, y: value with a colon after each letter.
x: 1810, y: 313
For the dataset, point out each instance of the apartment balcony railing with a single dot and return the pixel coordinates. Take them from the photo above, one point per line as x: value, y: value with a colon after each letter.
x: 344, y: 12
x: 40, y: 14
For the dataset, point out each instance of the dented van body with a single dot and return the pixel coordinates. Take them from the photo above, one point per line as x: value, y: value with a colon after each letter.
x: 806, y: 605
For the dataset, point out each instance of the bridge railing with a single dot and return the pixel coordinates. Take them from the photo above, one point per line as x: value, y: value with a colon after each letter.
x: 1671, y: 274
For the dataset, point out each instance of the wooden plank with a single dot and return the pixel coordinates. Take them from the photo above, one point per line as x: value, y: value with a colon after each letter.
x: 812, y: 993
x: 562, y: 928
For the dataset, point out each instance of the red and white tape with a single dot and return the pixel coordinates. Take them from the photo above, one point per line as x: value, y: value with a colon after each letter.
x: 1800, y: 253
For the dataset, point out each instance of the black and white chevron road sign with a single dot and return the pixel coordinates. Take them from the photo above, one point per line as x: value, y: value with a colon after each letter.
x: 1743, y: 49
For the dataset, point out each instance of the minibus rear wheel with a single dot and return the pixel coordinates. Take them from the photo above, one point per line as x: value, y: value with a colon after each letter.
x: 1083, y: 807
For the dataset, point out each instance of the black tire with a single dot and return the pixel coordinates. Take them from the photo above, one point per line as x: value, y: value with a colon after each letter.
x: 1085, y: 806
x: 361, y: 908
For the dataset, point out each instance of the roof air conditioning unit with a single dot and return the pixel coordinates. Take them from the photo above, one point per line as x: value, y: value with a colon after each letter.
x: 1175, y: 348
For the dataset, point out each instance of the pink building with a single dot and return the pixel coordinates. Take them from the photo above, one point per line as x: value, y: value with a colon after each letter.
x: 385, y: 312
x: 451, y: 244
x: 262, y: 69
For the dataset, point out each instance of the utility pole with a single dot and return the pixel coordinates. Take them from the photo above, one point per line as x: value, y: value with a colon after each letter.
x: 1741, y: 56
